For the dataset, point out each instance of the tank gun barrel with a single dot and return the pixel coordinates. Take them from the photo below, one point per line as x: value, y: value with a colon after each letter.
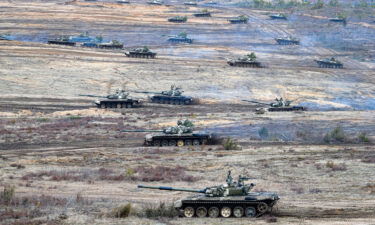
x: 255, y: 102
x: 147, y: 92
x: 141, y: 131
x: 172, y: 189
x: 93, y: 96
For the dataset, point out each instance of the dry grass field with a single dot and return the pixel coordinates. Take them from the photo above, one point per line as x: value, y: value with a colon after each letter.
x: 63, y: 161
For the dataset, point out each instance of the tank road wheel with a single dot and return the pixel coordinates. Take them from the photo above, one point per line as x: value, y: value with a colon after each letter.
x: 262, y: 207
x: 156, y: 143
x: 213, y: 212
x: 225, y: 212
x: 196, y: 142
x: 238, y: 211
x: 201, y: 212
x: 164, y: 143
x: 102, y: 106
x: 187, y: 142
x: 172, y: 143
x: 119, y: 105
x: 180, y: 143
x: 250, y: 212
x: 189, y: 212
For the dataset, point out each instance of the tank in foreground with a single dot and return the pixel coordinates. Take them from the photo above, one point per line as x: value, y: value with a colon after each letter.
x: 232, y: 199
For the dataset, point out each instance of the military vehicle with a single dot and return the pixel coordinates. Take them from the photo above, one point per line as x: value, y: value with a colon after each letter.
x: 141, y: 53
x: 5, y: 37
x: 240, y: 19
x: 230, y: 199
x: 179, y: 135
x: 111, y: 45
x: 287, y: 41
x: 173, y: 96
x: 178, y: 19
x: 118, y: 100
x: 155, y: 2
x: 123, y: 2
x: 279, y: 106
x: 181, y: 37
x: 248, y: 60
x: 278, y: 17
x: 329, y: 63
x: 63, y: 40
x: 203, y: 13
x: 211, y: 3
x: 191, y: 3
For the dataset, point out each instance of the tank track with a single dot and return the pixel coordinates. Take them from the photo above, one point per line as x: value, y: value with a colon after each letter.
x: 117, y: 104
x: 330, y: 65
x: 246, y: 64
x: 202, y: 14
x: 175, y: 40
x: 177, y: 140
x: 285, y: 42
x: 171, y: 100
x: 286, y: 109
x: 68, y: 43
x: 140, y: 55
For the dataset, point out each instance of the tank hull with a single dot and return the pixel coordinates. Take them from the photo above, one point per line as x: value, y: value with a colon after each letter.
x: 176, y: 139
x: 111, y: 46
x: 235, y: 21
x: 245, y: 64
x: 172, y: 100
x: 180, y: 40
x: 286, y: 42
x: 172, y: 20
x: 323, y: 64
x: 202, y: 14
x: 190, y: 3
x: 56, y: 42
x: 278, y: 17
x: 116, y: 103
x: 141, y: 55
x: 286, y: 109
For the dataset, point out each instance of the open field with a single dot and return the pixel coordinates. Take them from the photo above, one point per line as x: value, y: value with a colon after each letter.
x: 70, y: 164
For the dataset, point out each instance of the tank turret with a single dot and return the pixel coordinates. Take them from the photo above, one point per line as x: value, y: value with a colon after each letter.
x: 120, y: 99
x: 173, y: 96
x: 279, y: 105
x: 233, y: 198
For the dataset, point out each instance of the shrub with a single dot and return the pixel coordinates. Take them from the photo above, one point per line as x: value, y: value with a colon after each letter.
x: 333, y: 3
x: 7, y: 195
x: 122, y: 211
x: 263, y: 133
x: 336, y: 167
x: 369, y: 159
x: 336, y: 135
x: 230, y: 144
x: 318, y: 5
x: 160, y: 210
x: 362, y: 137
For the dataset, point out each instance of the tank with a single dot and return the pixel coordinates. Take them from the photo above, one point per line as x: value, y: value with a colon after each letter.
x: 180, y: 135
x: 287, y: 41
x: 141, y: 53
x: 231, y: 199
x: 123, y: 2
x: 240, y: 19
x: 278, y: 17
x: 178, y: 19
x: 111, y: 45
x: 155, y: 2
x: 329, y: 63
x: 211, y: 3
x: 203, y: 13
x: 191, y: 3
x: 181, y: 37
x: 63, y: 40
x: 6, y: 37
x: 339, y: 19
x: 280, y: 105
x: 248, y: 60
x: 173, y: 96
x: 120, y: 99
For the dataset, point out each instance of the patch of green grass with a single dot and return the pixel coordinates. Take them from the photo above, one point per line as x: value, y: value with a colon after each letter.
x: 230, y: 144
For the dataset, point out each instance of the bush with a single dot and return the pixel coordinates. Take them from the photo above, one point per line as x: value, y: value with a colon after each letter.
x: 7, y: 195
x: 318, y: 5
x: 121, y: 211
x: 362, y: 137
x: 160, y: 210
x: 336, y: 167
x: 336, y: 135
x: 333, y: 3
x: 230, y: 144
x: 263, y: 133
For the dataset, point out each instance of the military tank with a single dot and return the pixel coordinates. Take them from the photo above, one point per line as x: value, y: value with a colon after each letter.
x: 278, y: 17
x: 141, y: 53
x: 287, y: 41
x: 178, y: 19
x: 123, y: 2
x: 6, y: 37
x: 155, y: 2
x: 173, y: 96
x: 191, y: 3
x: 280, y: 105
x: 180, y: 135
x: 234, y: 198
x: 120, y: 99
x: 203, y: 13
x: 240, y: 19
x: 329, y: 63
x: 63, y: 40
x: 111, y: 45
x: 181, y: 37
x: 248, y: 60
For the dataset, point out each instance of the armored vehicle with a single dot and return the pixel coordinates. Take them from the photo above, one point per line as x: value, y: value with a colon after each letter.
x: 119, y: 99
x: 173, y: 96
x: 279, y: 106
x: 63, y: 40
x: 287, y: 41
x: 123, y: 2
x: 234, y: 198
x: 155, y: 2
x: 191, y: 3
x: 111, y: 45
x: 141, y: 53
x: 248, y: 60
x: 278, y: 17
x: 340, y: 18
x: 240, y: 19
x: 203, y: 13
x: 6, y: 37
x: 178, y: 19
x: 211, y: 3
x: 181, y: 37
x: 329, y: 63
x: 180, y: 135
